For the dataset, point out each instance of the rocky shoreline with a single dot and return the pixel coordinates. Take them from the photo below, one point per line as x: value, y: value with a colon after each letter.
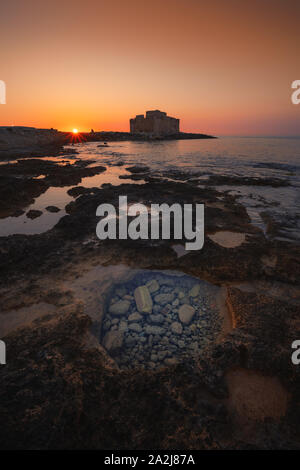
x: 65, y: 387
x: 29, y: 142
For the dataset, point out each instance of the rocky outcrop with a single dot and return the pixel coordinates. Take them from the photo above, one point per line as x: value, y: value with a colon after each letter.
x: 29, y: 141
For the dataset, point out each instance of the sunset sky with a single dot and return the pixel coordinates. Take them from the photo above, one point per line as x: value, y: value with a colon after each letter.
x: 222, y: 66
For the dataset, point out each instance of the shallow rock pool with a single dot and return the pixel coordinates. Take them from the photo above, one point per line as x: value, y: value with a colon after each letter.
x: 159, y: 318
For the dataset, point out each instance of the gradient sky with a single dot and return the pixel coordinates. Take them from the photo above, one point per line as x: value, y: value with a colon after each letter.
x: 222, y: 66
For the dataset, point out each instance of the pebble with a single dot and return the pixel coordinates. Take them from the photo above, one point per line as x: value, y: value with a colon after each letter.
x: 129, y: 341
x: 157, y: 318
x: 161, y: 355
x: 163, y: 299
x: 185, y: 300
x: 156, y: 308
x: 153, y: 330
x: 153, y: 286
x: 113, y: 341
x: 123, y: 325
x: 119, y: 308
x: 194, y: 290
x: 135, y: 327
x: 135, y: 316
x: 176, y: 328
x: 186, y: 313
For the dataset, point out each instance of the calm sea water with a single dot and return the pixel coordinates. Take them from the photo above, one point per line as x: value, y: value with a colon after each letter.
x: 227, y: 155
x: 234, y: 156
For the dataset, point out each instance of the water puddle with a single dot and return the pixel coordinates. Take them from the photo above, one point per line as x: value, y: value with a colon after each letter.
x: 58, y: 197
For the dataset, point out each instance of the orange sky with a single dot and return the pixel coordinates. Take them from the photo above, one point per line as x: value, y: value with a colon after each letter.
x: 221, y: 66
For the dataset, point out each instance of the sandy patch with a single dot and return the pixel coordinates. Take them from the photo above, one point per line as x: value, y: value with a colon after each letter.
x: 228, y: 239
x: 254, y: 397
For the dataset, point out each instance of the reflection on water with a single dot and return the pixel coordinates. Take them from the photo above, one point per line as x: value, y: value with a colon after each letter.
x: 231, y: 156
x: 52, y: 197
x: 59, y: 197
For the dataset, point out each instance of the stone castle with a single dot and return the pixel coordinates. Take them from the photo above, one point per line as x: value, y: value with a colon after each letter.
x: 156, y: 123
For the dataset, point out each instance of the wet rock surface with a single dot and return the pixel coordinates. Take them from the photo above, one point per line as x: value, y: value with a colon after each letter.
x: 19, y: 186
x: 180, y: 319
x: 32, y: 214
x: 65, y: 385
x: 52, y: 379
x: 52, y: 209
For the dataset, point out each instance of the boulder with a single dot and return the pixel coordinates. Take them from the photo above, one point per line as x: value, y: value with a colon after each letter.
x: 119, y: 308
x: 186, y: 313
x: 143, y: 299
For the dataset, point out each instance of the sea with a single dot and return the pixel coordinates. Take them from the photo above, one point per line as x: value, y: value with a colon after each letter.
x: 259, y: 157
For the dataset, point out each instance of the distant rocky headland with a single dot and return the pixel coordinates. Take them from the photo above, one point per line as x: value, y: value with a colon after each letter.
x: 116, y: 136
x: 31, y: 142
x: 28, y: 141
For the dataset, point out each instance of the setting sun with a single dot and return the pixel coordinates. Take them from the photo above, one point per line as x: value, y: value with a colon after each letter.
x: 75, y: 131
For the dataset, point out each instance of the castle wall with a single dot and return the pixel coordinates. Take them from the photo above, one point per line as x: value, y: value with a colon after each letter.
x: 156, y: 122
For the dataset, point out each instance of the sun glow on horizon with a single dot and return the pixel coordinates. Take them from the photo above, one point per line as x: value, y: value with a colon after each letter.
x: 75, y: 131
